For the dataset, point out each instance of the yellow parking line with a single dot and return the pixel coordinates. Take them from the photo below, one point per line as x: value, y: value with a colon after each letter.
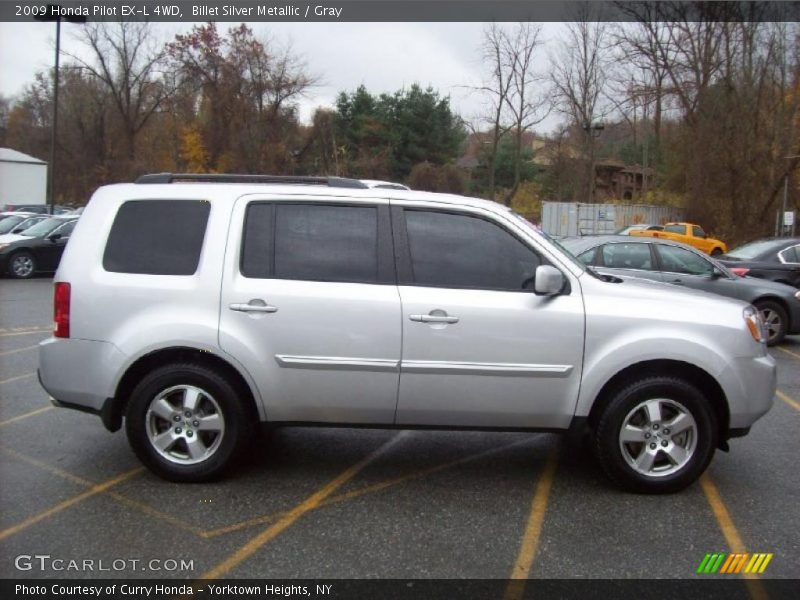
x: 93, y: 491
x: 30, y: 332
x: 149, y: 510
x: 533, y: 529
x: 7, y: 352
x: 794, y: 404
x: 309, y: 504
x: 10, y: 379
x: 33, y: 413
x: 370, y: 489
x: 788, y: 352
x: 731, y: 534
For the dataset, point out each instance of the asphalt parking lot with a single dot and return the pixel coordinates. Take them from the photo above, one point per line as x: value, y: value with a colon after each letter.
x: 349, y: 503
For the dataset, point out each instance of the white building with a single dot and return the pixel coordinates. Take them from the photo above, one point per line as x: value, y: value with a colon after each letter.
x: 23, y: 178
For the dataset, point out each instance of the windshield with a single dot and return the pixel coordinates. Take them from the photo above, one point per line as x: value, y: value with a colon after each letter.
x: 43, y: 227
x: 754, y: 249
x: 531, y: 228
x: 10, y: 223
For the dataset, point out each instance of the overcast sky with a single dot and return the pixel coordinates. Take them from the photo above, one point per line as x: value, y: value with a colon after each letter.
x: 383, y: 56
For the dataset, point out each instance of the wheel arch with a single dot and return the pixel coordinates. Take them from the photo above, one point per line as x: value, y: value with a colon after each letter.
x: 695, y: 375
x: 156, y: 358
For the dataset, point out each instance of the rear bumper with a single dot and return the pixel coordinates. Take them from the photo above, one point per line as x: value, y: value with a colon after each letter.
x: 79, y: 374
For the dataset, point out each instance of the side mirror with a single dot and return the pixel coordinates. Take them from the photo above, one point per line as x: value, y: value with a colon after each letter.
x: 54, y: 237
x: 18, y: 230
x: 716, y: 273
x: 549, y: 281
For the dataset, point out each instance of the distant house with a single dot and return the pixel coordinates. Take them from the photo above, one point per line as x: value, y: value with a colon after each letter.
x: 616, y: 180
x: 23, y: 178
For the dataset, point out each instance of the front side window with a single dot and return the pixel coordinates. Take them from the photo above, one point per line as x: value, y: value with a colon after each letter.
x: 66, y: 230
x: 680, y: 260
x: 157, y: 237
x: 697, y: 231
x: 674, y: 228
x: 461, y: 251
x: 311, y: 242
x: 627, y: 256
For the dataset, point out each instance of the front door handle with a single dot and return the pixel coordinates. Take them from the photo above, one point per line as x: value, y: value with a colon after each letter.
x: 433, y: 318
x: 255, y: 305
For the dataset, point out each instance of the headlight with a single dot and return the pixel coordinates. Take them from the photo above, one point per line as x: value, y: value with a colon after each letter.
x: 796, y: 294
x: 755, y: 324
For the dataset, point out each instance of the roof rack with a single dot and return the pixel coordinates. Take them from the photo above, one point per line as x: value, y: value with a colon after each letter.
x: 340, y: 182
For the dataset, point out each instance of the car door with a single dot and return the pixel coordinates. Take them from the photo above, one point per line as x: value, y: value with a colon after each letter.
x: 48, y: 251
x: 628, y: 258
x: 310, y: 307
x: 480, y: 349
x: 691, y: 269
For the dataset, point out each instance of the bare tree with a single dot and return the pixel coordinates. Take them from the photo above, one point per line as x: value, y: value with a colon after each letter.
x: 526, y: 107
x: 126, y: 58
x: 579, y: 78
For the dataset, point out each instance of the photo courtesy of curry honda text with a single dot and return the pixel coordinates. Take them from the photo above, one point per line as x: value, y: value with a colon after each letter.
x: 191, y: 308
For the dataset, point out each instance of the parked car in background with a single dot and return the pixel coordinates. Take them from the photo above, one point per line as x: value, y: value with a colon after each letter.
x: 680, y: 264
x: 37, y: 249
x: 41, y: 209
x: 687, y: 233
x: 195, y: 306
x: 384, y: 185
x: 776, y: 259
x: 19, y: 223
x: 640, y: 227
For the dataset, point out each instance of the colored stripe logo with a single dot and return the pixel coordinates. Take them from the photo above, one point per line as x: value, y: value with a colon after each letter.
x: 723, y: 563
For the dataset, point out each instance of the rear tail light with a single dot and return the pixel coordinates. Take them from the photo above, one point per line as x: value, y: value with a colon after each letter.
x: 61, y: 310
x: 740, y: 271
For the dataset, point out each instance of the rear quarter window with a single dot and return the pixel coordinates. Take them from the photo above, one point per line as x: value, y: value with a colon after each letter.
x: 157, y: 237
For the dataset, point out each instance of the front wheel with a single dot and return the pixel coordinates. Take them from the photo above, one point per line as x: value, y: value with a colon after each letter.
x: 656, y: 435
x: 186, y: 422
x: 775, y: 321
x: 22, y: 265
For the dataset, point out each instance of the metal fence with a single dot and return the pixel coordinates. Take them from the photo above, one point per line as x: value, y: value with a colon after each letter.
x: 575, y: 218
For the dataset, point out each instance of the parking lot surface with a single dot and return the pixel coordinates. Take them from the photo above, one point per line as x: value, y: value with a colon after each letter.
x: 356, y: 503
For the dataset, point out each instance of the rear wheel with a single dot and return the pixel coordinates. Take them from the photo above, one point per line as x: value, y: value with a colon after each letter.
x: 775, y: 320
x: 21, y: 265
x: 186, y: 423
x: 716, y: 252
x: 656, y: 435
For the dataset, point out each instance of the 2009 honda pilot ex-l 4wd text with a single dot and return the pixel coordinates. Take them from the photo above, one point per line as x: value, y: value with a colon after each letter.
x: 195, y: 307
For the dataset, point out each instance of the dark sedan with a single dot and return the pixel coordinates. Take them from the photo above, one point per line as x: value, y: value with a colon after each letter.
x: 776, y: 259
x: 676, y: 263
x: 37, y: 249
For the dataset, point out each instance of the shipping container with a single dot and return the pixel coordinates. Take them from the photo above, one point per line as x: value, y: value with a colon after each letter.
x: 567, y: 219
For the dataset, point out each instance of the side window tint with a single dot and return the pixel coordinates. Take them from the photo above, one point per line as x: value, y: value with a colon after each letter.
x: 312, y: 242
x: 157, y: 237
x: 627, y: 256
x: 462, y: 251
x: 791, y: 255
x: 66, y: 230
x: 679, y: 260
x: 681, y: 229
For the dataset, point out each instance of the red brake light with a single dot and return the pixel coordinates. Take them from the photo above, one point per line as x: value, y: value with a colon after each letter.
x: 61, y: 310
x: 740, y: 271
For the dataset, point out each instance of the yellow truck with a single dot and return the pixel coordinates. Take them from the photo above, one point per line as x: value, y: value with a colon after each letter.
x: 688, y: 233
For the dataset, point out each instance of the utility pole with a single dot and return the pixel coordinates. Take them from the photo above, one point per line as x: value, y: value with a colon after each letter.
x: 54, y: 14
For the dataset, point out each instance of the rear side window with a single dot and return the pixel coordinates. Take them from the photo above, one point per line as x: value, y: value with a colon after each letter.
x: 681, y: 229
x: 461, y: 251
x: 627, y: 256
x: 311, y: 242
x: 157, y: 237
x: 791, y: 255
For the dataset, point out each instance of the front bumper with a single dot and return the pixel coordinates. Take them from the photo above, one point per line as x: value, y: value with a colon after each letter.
x: 749, y: 384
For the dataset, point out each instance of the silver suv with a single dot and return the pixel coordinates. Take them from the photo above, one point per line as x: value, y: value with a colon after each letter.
x: 194, y: 307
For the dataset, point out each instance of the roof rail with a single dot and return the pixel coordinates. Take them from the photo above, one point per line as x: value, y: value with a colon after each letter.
x: 340, y: 182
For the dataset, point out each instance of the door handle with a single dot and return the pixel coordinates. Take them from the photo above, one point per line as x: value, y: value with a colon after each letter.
x: 433, y: 319
x: 258, y: 306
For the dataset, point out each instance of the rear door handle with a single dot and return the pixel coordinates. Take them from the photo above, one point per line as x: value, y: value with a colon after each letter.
x: 254, y: 305
x: 433, y: 319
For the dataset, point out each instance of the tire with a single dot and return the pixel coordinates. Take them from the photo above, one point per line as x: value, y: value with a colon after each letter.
x: 193, y: 447
x: 716, y: 252
x: 678, y: 458
x: 21, y: 265
x: 775, y: 319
